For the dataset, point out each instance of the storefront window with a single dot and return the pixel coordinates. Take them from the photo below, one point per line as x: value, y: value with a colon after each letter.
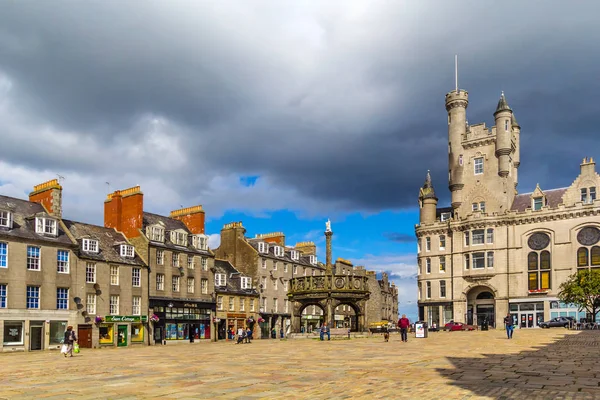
x: 57, y: 332
x: 137, y: 332
x: 171, y: 332
x: 447, y: 313
x: 107, y: 334
x: 13, y: 332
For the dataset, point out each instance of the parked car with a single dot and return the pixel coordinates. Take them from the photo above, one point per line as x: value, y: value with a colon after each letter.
x: 458, y: 326
x: 557, y: 322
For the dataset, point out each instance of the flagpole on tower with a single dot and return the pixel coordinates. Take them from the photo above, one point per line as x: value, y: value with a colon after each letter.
x: 456, y: 72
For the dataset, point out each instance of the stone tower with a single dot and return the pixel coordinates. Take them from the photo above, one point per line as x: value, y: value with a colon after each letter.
x: 427, y: 202
x: 482, y: 162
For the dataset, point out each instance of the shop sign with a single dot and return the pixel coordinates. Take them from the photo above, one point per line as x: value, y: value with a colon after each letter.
x: 339, y: 317
x: 232, y: 315
x: 191, y: 305
x: 126, y: 318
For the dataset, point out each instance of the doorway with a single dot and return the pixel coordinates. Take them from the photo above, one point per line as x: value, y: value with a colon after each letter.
x: 84, y: 336
x: 122, y: 335
x: 36, y: 336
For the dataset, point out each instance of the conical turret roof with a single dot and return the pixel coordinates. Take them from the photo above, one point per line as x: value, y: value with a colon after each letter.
x: 515, y: 124
x: 427, y: 191
x: 502, y: 105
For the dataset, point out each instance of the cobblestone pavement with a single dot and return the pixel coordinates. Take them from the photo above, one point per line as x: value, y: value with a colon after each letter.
x: 543, y: 364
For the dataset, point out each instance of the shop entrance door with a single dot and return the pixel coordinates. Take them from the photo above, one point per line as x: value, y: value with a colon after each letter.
x: 84, y: 336
x: 122, y: 335
x: 35, y: 337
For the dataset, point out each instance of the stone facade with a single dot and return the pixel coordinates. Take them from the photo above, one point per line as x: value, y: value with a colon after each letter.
x: 237, y: 301
x: 181, y: 279
x: 271, y: 265
x: 495, y: 251
x: 50, y: 278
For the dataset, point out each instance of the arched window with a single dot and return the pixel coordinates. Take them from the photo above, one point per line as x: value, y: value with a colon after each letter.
x: 582, y: 257
x: 589, y: 254
x: 539, y: 270
x: 596, y: 256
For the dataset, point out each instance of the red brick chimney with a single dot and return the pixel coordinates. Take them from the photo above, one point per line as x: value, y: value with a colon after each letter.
x: 274, y: 237
x: 49, y: 195
x: 123, y: 210
x: 192, y: 217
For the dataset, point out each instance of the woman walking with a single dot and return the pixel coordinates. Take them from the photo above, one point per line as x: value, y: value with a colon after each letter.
x: 70, y: 338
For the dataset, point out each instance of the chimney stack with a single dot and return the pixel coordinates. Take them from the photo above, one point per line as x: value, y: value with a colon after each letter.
x: 49, y: 195
x: 307, y: 248
x: 124, y: 211
x: 273, y: 237
x: 588, y: 167
x: 192, y: 217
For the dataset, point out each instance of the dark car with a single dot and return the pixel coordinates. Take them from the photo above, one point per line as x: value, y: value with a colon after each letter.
x: 557, y: 322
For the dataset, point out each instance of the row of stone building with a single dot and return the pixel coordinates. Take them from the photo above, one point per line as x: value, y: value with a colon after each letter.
x: 144, y: 278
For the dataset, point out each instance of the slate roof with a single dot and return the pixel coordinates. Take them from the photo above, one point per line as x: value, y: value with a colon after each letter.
x: 170, y: 224
x: 287, y: 257
x: 233, y: 282
x: 553, y: 198
x: 109, y: 242
x: 23, y: 227
x: 502, y: 105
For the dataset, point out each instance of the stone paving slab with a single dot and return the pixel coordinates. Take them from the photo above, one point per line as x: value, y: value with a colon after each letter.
x: 542, y: 364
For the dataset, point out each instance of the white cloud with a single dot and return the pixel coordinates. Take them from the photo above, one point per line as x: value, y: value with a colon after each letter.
x: 214, y: 240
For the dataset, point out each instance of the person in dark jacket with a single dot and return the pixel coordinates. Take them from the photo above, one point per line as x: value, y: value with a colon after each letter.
x: 70, y: 339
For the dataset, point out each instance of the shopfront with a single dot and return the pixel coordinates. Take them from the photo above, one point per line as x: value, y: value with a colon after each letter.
x: 527, y: 314
x: 180, y: 321
x: 32, y: 334
x: 122, y: 330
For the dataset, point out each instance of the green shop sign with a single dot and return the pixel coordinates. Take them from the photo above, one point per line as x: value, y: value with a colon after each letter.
x: 126, y: 318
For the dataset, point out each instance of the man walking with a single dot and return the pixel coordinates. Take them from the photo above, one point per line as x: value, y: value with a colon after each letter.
x: 508, y: 323
x: 403, y: 324
x: 325, y: 330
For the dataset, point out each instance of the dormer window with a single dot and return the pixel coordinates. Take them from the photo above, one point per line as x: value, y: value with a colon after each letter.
x: 312, y: 259
x: 127, y: 251
x: 279, y: 251
x: 5, y: 219
x: 220, y: 279
x: 200, y: 242
x: 179, y: 238
x: 263, y: 247
x: 538, y: 203
x: 46, y: 226
x: 445, y: 216
x: 90, y: 245
x: 156, y: 233
x: 295, y: 255
x: 246, y: 282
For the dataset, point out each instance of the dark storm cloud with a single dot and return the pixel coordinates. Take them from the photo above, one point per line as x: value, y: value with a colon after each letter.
x: 400, y: 237
x: 342, y: 102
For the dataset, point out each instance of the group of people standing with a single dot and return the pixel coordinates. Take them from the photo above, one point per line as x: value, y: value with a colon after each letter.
x: 244, y: 335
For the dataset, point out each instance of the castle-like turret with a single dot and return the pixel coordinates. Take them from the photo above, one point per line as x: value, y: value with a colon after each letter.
x: 504, y: 121
x: 427, y: 202
x: 517, y: 152
x: 456, y: 105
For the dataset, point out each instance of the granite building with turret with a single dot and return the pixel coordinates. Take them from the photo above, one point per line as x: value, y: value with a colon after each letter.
x: 494, y: 250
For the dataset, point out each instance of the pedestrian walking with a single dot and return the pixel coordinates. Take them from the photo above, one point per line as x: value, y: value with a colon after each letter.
x: 248, y: 335
x: 241, y: 333
x: 68, y: 342
x: 323, y: 331
x: 404, y: 323
x: 508, y: 323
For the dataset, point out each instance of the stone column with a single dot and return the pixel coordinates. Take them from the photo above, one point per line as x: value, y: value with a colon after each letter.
x: 328, y: 235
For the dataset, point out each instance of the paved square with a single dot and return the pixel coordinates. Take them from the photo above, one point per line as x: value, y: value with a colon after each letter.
x: 543, y: 364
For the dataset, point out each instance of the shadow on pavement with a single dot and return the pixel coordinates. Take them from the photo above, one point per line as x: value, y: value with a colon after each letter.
x: 568, y: 368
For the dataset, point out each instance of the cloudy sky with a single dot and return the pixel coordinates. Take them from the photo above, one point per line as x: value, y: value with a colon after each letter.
x: 284, y: 113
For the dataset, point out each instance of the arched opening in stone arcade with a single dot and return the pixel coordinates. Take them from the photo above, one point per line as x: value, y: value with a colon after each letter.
x: 345, y: 316
x: 312, y: 315
x: 481, y: 306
